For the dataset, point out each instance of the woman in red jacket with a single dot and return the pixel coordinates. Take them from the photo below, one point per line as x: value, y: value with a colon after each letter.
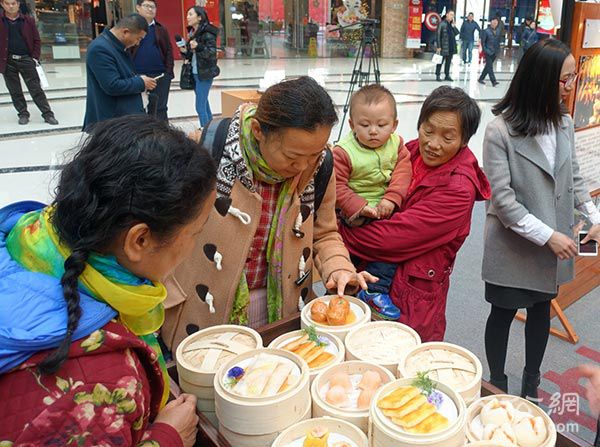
x: 82, y: 297
x: 435, y: 219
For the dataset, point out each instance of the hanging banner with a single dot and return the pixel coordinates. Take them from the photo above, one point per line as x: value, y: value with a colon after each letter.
x: 545, y: 19
x: 413, y: 37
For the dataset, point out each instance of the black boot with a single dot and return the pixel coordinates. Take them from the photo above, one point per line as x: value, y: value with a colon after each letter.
x: 529, y: 386
x: 502, y: 384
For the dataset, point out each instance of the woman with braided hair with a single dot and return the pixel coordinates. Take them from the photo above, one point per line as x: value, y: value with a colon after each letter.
x: 80, y: 282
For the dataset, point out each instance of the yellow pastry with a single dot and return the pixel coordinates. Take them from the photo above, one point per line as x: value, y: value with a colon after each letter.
x: 317, y: 437
x: 416, y: 417
x: 406, y: 409
x: 435, y: 422
x: 398, y: 398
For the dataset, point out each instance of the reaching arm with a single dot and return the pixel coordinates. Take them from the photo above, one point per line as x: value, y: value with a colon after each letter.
x: 433, y: 221
x: 401, y: 177
x: 347, y: 201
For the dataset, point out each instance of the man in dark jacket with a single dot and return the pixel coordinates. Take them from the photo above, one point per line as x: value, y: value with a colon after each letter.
x: 113, y: 88
x: 467, y: 37
x: 154, y: 57
x: 490, y: 42
x: 19, y: 54
x: 446, y: 45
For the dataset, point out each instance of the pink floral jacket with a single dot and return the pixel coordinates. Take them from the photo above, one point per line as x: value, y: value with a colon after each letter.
x: 105, y: 395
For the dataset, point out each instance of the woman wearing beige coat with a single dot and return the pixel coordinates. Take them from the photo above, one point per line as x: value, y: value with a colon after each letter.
x: 529, y: 158
x: 252, y: 262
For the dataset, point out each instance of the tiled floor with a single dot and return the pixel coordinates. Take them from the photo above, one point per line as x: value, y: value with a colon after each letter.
x: 29, y: 156
x: 39, y: 144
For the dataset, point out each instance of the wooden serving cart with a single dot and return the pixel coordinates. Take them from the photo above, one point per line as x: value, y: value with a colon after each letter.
x: 209, y: 436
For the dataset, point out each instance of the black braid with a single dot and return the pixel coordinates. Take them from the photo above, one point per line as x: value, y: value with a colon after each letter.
x: 129, y: 170
x: 74, y: 266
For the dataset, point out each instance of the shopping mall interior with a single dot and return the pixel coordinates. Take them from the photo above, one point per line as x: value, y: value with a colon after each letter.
x: 262, y: 42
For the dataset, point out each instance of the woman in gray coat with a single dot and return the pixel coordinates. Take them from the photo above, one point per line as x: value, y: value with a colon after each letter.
x: 529, y: 158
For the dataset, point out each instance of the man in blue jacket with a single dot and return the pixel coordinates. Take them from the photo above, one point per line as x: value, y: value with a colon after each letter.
x: 467, y: 37
x: 113, y: 87
x: 490, y: 42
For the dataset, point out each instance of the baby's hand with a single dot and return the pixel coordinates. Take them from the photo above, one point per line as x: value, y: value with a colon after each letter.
x: 370, y: 212
x: 385, y: 208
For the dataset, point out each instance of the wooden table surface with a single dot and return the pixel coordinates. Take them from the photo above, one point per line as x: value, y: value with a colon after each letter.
x: 209, y: 436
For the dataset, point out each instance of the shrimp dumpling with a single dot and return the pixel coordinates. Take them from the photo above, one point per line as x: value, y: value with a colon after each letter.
x: 530, y: 431
x: 337, y: 396
x: 370, y: 381
x: 497, y: 412
x: 503, y: 434
x: 341, y: 379
x: 364, y: 398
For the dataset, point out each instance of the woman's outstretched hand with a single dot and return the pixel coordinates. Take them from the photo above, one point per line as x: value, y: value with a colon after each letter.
x: 342, y: 279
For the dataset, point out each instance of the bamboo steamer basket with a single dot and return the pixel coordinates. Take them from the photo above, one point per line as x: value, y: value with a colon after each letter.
x: 284, y: 339
x: 261, y: 415
x: 384, y: 433
x: 266, y: 440
x: 200, y: 355
x: 338, y: 426
x: 359, y: 418
x: 453, y: 365
x: 521, y: 405
x: 381, y: 342
x: 338, y: 331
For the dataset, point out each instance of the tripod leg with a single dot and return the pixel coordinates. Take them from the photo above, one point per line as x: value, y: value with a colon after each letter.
x: 354, y: 80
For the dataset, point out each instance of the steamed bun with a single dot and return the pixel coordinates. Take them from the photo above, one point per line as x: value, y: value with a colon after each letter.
x: 497, y: 412
x: 503, y: 434
x: 530, y: 431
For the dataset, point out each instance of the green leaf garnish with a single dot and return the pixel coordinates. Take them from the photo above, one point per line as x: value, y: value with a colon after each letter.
x: 424, y: 383
x: 311, y: 331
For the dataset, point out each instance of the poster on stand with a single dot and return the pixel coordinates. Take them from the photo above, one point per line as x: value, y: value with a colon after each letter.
x: 587, y: 96
x: 587, y: 150
x: 415, y: 10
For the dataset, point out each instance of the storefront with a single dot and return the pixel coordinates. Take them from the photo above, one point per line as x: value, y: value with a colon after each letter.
x: 248, y: 28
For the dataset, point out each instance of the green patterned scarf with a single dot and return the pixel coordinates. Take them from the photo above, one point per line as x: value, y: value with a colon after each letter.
x: 263, y: 173
x: 34, y: 244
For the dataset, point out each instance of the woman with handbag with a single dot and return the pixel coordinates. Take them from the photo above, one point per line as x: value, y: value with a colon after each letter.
x: 200, y: 53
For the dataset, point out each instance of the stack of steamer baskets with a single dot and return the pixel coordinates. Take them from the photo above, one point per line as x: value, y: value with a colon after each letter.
x: 201, y: 354
x: 319, y: 349
x: 447, y: 363
x: 509, y: 420
x: 260, y: 393
x: 381, y: 342
x: 322, y: 432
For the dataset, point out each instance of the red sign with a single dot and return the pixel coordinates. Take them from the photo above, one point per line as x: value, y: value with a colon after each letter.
x: 413, y: 37
x: 432, y: 21
x: 212, y: 9
x: 545, y: 18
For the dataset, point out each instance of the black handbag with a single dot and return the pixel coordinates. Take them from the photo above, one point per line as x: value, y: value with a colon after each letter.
x: 186, y: 81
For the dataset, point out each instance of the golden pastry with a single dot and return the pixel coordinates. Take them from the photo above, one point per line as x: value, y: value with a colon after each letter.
x: 318, y: 312
x: 417, y: 416
x: 398, y: 398
x: 337, y: 311
x: 406, y: 409
x: 317, y: 437
x: 435, y: 422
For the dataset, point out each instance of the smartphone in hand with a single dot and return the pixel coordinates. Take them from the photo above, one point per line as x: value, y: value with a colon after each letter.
x: 590, y: 248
